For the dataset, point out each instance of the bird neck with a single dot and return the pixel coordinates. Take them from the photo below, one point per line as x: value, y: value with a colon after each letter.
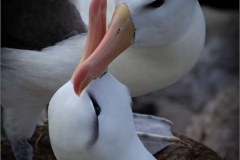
x: 137, y: 151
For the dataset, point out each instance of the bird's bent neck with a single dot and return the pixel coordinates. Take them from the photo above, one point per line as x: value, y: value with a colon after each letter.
x: 137, y: 151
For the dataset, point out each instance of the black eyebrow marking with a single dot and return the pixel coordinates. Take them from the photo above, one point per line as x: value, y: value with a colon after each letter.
x: 155, y: 4
x: 95, y: 134
x: 95, y: 105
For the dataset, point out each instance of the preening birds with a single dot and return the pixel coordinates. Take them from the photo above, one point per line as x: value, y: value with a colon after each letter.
x: 165, y: 44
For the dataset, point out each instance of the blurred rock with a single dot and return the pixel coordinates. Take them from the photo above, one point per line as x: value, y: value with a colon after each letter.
x: 217, y: 68
x: 221, y: 4
x: 218, y: 125
x: 187, y: 149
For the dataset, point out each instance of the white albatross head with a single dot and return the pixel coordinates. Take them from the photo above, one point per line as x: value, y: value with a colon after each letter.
x: 134, y: 23
x: 98, y: 124
x: 159, y: 22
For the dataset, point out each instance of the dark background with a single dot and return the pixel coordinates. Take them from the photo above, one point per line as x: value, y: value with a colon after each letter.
x: 27, y: 15
x: 222, y: 4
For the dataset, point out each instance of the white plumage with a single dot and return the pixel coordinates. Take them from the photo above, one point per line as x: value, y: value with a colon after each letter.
x: 99, y: 124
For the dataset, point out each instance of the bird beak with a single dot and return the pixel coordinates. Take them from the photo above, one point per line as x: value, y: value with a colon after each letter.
x: 100, y: 52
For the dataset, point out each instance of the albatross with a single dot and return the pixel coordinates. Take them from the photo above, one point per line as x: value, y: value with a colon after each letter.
x: 165, y: 44
x: 99, y: 124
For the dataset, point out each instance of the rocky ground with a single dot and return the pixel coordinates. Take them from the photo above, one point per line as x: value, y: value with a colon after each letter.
x: 204, y: 104
x: 185, y: 149
x: 218, y: 124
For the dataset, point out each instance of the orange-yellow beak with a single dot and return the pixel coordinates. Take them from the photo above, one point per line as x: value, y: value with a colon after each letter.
x: 101, y: 49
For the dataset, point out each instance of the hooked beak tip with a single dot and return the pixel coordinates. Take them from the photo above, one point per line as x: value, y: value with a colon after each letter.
x: 81, y: 78
x: 78, y: 94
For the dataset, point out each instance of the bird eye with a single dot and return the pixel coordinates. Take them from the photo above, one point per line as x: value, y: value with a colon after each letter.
x: 95, y: 105
x: 155, y: 4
